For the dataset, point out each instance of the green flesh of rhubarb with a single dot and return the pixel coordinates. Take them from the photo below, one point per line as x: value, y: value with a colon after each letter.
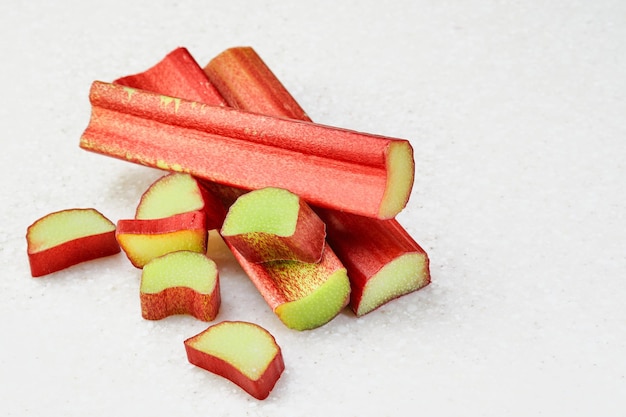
x: 318, y: 307
x: 400, y: 167
x: 403, y: 275
x: 173, y: 194
x: 247, y: 347
x: 268, y: 210
x: 179, y: 269
x: 63, y: 226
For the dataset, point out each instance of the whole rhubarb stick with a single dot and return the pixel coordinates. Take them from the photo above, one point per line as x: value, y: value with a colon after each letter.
x: 382, y: 259
x: 330, y: 167
x: 176, y: 75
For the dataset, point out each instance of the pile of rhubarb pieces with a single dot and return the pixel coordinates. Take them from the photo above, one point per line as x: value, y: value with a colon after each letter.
x: 307, y: 210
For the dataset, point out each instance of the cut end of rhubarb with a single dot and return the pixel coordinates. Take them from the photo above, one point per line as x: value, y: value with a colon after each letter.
x: 268, y: 210
x: 180, y: 283
x: 401, y: 172
x: 319, y: 307
x: 403, y: 275
x: 179, y: 269
x: 63, y: 226
x: 242, y: 352
x: 69, y: 237
x: 172, y: 194
x: 143, y: 240
x: 274, y: 224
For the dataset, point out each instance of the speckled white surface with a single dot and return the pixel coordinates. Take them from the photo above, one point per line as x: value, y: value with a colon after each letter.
x: 516, y: 113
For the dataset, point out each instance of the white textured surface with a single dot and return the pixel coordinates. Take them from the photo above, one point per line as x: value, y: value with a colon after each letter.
x: 516, y: 113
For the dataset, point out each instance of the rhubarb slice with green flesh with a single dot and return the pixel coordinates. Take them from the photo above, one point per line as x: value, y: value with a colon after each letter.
x: 145, y: 239
x: 176, y: 75
x: 304, y: 296
x: 273, y: 224
x: 330, y: 167
x: 242, y: 352
x: 65, y: 238
x: 181, y: 282
x: 382, y: 259
x: 178, y: 193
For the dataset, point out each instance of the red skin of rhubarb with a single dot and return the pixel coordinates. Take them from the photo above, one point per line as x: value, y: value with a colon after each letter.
x: 191, y: 220
x: 327, y: 166
x: 306, y: 244
x: 262, y: 87
x: 180, y: 300
x: 280, y: 283
x: 364, y: 245
x: 72, y: 252
x: 214, y: 210
x: 259, y: 389
x: 176, y: 75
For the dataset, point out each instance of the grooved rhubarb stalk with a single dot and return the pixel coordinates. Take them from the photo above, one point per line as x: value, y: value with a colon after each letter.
x: 176, y: 75
x: 382, y: 259
x: 329, y: 167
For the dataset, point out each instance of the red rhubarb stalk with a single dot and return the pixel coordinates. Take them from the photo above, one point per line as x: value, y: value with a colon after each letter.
x: 382, y: 259
x: 176, y: 75
x: 329, y: 167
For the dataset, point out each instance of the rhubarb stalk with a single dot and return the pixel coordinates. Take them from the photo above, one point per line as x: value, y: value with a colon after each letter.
x: 382, y: 259
x: 176, y: 75
x: 329, y: 167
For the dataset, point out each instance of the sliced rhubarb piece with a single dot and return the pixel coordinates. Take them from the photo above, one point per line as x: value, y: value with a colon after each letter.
x: 304, y: 296
x: 178, y: 193
x: 181, y: 282
x: 242, y: 352
x: 68, y: 237
x: 176, y: 75
x: 382, y: 259
x: 145, y: 239
x: 330, y: 167
x: 274, y: 224
x: 262, y: 87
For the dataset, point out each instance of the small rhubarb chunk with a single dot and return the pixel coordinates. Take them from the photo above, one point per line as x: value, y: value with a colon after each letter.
x: 68, y: 237
x: 242, y: 352
x: 181, y: 282
x: 273, y: 224
x: 304, y: 296
x: 382, y: 259
x: 178, y: 193
x: 143, y: 240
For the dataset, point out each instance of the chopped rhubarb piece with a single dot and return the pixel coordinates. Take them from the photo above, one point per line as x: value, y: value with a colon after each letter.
x: 274, y: 224
x: 176, y: 75
x: 178, y: 193
x: 262, y: 87
x: 181, y: 282
x: 242, y: 352
x: 330, y: 167
x: 145, y: 239
x: 68, y: 237
x: 304, y: 296
x: 382, y: 259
